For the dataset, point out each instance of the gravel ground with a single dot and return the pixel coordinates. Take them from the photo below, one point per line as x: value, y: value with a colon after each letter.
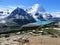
x: 33, y: 40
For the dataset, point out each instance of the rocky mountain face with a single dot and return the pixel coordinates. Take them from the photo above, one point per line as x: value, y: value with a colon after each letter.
x: 21, y: 17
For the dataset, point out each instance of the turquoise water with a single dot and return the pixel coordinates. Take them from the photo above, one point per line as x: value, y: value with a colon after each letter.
x: 42, y: 22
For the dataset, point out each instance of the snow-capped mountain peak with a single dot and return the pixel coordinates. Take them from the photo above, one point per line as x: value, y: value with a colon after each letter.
x: 34, y: 9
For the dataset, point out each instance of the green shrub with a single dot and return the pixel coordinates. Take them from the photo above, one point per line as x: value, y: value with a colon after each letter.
x: 51, y: 31
x: 54, y: 36
x: 7, y: 35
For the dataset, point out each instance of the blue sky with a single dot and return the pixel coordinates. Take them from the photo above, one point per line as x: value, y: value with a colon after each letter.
x: 49, y: 5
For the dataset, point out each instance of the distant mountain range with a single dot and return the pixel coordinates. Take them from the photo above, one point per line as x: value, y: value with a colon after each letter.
x: 32, y: 14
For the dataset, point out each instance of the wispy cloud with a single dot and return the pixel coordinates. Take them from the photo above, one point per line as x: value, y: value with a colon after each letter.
x: 11, y: 7
x: 34, y: 9
x: 55, y: 14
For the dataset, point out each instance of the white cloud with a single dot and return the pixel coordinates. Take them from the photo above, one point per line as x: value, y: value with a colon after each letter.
x: 5, y: 9
x: 34, y: 9
x: 56, y: 14
x: 10, y: 7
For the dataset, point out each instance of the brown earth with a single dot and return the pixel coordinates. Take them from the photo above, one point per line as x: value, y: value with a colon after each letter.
x: 33, y: 40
